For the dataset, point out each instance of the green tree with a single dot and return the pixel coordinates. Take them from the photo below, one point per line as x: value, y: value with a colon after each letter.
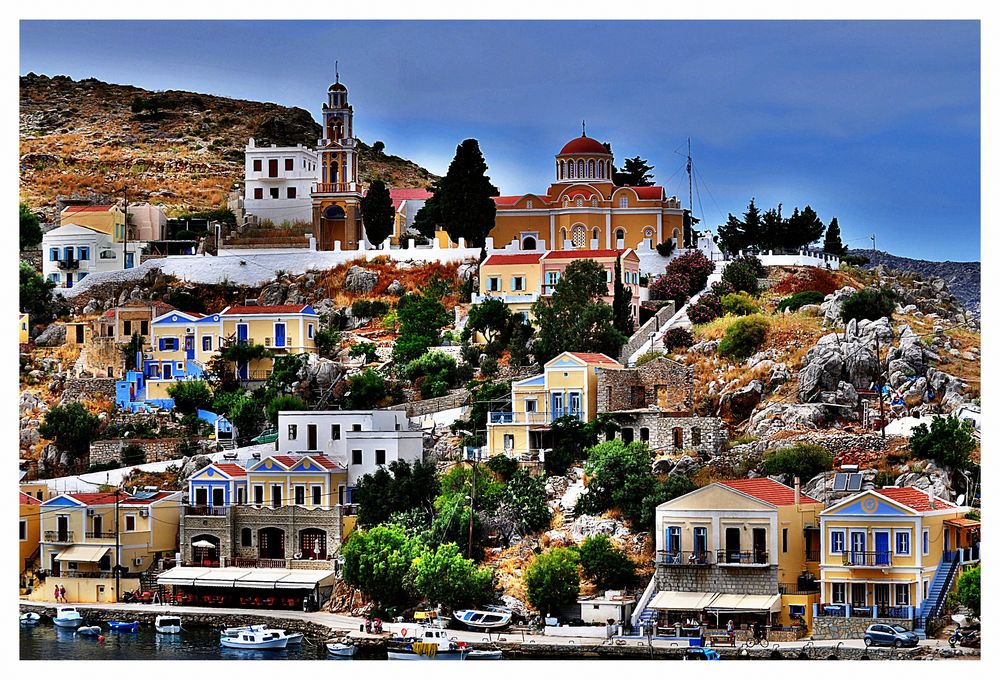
x: 377, y: 212
x: 36, y: 295
x: 434, y: 372
x: 483, y: 396
x: 968, y: 590
x: 741, y: 276
x: 444, y: 577
x: 802, y: 460
x: 619, y: 476
x: 553, y: 580
x: 948, y: 441
x: 803, y: 228
x: 71, y: 427
x: 622, y: 303
x: 869, y: 303
x: 366, y: 350
x: 376, y: 562
x: 636, y: 172
x: 378, y: 147
x: 743, y: 337
x: 528, y: 502
x: 832, y: 243
x: 396, y: 488
x: 575, y: 317
x: 429, y: 218
x: 467, y: 209
x: 190, y: 395
x: 421, y: 318
x: 673, y: 487
x: 605, y: 565
x: 366, y: 390
x: 131, y: 352
x: 283, y: 402
x: 493, y: 319
x: 327, y: 342
x: 30, y: 231
x: 503, y: 466
x: 519, y: 337
x: 571, y: 438
x: 738, y: 234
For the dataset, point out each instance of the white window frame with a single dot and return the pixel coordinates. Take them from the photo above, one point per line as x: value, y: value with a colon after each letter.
x: 926, y: 541
x: 293, y: 431
x: 896, y: 591
x: 508, y: 438
x: 256, y: 488
x: 131, y: 516
x: 909, y: 541
x: 295, y: 493
x: 843, y: 593
x: 312, y: 494
x: 843, y: 541
x: 623, y: 201
x: 531, y: 405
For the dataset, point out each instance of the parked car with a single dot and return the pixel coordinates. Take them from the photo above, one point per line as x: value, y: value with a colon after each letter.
x: 880, y: 634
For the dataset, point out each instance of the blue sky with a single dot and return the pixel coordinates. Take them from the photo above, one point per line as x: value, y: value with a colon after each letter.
x: 877, y: 123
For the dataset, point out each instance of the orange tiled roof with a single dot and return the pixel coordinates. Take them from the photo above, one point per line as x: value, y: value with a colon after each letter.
x: 232, y: 469
x: 514, y: 258
x: 768, y: 490
x: 581, y: 254
x: 594, y: 358
x: 259, y: 309
x: 25, y: 499
x: 320, y: 460
x: 915, y: 499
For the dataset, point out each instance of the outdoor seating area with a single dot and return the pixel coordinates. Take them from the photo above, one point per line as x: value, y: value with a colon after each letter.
x: 194, y: 598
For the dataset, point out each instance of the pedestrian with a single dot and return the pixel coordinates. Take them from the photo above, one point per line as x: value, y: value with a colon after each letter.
x: 62, y: 593
x: 55, y: 592
x: 731, y: 632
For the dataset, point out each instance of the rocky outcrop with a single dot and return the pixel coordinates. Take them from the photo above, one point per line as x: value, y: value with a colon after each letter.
x: 273, y: 294
x: 53, y: 336
x: 740, y: 404
x: 832, y: 304
x: 395, y: 288
x: 360, y: 280
x: 931, y: 478
x: 773, y: 418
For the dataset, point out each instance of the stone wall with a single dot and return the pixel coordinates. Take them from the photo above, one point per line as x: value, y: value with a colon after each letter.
x: 704, y: 434
x: 108, y: 450
x: 853, y: 628
x: 641, y: 336
x: 716, y: 579
x: 663, y: 383
x: 77, y: 389
x: 99, y: 354
x: 423, y: 407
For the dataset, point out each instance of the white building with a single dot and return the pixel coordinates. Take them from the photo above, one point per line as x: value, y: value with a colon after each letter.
x: 363, y: 440
x: 72, y: 252
x: 148, y: 222
x: 278, y: 182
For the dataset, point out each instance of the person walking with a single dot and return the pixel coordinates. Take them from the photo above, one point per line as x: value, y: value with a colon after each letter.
x: 55, y: 592
x: 731, y: 632
x: 62, y: 593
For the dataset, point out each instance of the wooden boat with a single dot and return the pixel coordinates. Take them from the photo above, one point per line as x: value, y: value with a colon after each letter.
x: 433, y: 645
x: 340, y: 649
x: 67, y: 617
x: 483, y: 619
x: 88, y: 630
x: 29, y: 618
x: 124, y: 626
x: 168, y: 624
x: 485, y: 655
x: 255, y: 639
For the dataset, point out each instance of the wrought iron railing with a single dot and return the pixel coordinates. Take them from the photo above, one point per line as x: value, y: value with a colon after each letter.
x: 69, y: 264
x: 756, y: 557
x: 205, y: 510
x: 100, y: 534
x: 797, y: 589
x: 867, y: 558
x: 668, y: 558
x: 59, y: 536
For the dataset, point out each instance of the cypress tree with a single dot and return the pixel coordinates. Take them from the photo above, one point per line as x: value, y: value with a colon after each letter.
x: 737, y: 234
x: 832, y: 243
x: 465, y: 198
x: 621, y: 304
x: 377, y: 212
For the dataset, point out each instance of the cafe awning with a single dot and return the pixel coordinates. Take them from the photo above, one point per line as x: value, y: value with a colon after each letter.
x: 83, y: 553
x: 180, y: 576
x: 746, y: 603
x: 234, y: 577
x: 683, y: 601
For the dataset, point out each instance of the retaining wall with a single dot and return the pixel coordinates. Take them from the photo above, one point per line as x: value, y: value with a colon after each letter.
x: 853, y: 628
x: 77, y: 389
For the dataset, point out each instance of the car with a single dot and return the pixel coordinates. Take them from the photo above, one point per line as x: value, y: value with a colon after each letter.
x: 881, y: 634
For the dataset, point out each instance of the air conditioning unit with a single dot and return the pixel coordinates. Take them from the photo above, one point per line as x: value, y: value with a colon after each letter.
x: 144, y: 513
x: 147, y: 355
x: 189, y: 330
x: 137, y: 562
x: 90, y: 512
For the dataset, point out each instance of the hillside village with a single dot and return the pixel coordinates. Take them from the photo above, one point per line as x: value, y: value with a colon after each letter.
x: 265, y: 351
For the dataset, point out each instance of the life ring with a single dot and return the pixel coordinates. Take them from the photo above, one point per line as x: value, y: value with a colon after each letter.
x: 402, y: 632
x: 297, y: 556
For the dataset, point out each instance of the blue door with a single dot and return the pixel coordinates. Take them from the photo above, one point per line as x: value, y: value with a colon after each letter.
x: 129, y: 260
x: 279, y: 335
x: 241, y: 332
x: 243, y: 370
x: 189, y: 346
x: 881, y: 548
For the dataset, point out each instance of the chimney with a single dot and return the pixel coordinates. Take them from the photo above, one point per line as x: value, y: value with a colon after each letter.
x: 798, y: 491
x: 930, y: 498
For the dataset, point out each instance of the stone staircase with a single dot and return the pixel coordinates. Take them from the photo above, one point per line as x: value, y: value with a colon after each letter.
x: 944, y: 577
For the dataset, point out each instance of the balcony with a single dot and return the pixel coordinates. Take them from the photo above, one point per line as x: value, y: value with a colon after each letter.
x: 100, y: 535
x: 864, y: 611
x: 506, y: 298
x: 205, y: 510
x: 519, y: 418
x: 334, y: 188
x: 802, y: 588
x: 59, y: 537
x: 672, y: 558
x: 867, y: 558
x: 280, y: 343
x: 69, y: 264
x: 736, y: 558
x: 968, y: 555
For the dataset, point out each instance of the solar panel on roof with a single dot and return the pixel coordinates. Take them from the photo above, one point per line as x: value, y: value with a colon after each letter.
x: 854, y: 481
x: 839, y: 481
x: 144, y: 495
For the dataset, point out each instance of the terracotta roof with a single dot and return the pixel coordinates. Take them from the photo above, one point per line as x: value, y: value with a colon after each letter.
x: 516, y: 258
x: 320, y: 460
x: 232, y: 469
x: 963, y: 522
x: 646, y: 193
x: 583, y: 144
x: 25, y: 499
x: 768, y: 490
x: 594, y: 358
x: 87, y: 208
x: 914, y: 498
x: 410, y: 194
x: 581, y: 254
x: 506, y: 200
x: 108, y: 498
x: 260, y: 309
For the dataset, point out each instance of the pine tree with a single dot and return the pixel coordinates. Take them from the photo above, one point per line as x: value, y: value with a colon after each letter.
x: 832, y: 243
x: 636, y: 173
x: 465, y: 197
x: 736, y: 234
x: 622, y: 303
x: 807, y: 229
x: 377, y: 212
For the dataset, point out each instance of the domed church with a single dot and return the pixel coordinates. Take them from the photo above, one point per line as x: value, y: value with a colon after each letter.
x: 583, y: 209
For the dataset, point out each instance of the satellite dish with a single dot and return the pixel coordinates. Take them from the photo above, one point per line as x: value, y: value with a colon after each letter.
x: 960, y: 501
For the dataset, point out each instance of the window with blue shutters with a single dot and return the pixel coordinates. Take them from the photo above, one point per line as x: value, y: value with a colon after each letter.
x: 84, y: 252
x: 53, y: 254
x: 837, y: 541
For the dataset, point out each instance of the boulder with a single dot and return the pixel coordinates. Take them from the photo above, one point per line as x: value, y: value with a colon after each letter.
x: 685, y: 467
x: 740, y: 404
x: 585, y: 526
x: 779, y: 375
x: 932, y: 478
x: 295, y: 295
x: 53, y: 336
x: 90, y: 308
x: 272, y: 294
x: 779, y: 416
x: 360, y: 280
x: 705, y: 347
x: 325, y: 306
x: 662, y: 466
x: 811, y: 310
x: 190, y: 465
x: 321, y: 372
x: 832, y: 304
x: 395, y: 288
x: 821, y: 371
x: 467, y: 270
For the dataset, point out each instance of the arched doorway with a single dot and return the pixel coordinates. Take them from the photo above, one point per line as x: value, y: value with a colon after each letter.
x: 205, y: 550
x: 333, y: 227
x: 271, y: 543
x: 312, y: 544
x: 529, y: 243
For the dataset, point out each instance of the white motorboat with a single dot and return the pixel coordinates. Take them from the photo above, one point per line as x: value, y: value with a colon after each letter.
x: 483, y: 619
x: 67, y: 617
x: 168, y: 624
x: 293, y: 637
x: 29, y: 618
x: 485, y: 655
x: 93, y: 631
x: 255, y: 639
x: 236, y: 630
x: 340, y: 649
x: 432, y: 645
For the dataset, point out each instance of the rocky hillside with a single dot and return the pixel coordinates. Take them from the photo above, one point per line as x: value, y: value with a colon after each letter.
x: 961, y: 278
x: 183, y: 149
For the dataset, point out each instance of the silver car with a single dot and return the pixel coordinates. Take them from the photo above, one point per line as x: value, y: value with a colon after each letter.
x: 881, y: 634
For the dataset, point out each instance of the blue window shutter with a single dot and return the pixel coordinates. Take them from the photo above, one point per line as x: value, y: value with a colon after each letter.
x: 162, y: 345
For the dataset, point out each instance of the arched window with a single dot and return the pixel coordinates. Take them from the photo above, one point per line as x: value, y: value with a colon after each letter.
x: 676, y: 237
x: 619, y: 235
x: 571, y: 169
x: 529, y: 204
x: 590, y: 169
x: 579, y: 202
x: 528, y: 243
x: 579, y: 236
x: 678, y: 438
x: 628, y: 435
x: 579, y: 168
x: 600, y: 169
x: 562, y: 169
x: 593, y: 203
x: 597, y: 234
x: 562, y: 233
x: 312, y: 544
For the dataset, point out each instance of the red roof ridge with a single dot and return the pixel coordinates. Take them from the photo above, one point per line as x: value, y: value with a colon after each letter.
x: 583, y: 254
x: 915, y: 498
x: 26, y: 499
x: 594, y: 357
x: 261, y: 309
x: 768, y: 490
x: 513, y: 258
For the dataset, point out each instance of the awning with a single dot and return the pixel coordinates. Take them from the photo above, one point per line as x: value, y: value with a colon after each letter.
x: 235, y: 577
x: 180, y: 576
x: 963, y: 523
x: 684, y: 601
x: 746, y: 603
x: 83, y: 553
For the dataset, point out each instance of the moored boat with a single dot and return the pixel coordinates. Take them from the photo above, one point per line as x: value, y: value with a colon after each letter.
x: 168, y: 624
x: 485, y: 655
x: 340, y: 649
x: 88, y: 630
x: 483, y: 619
x: 124, y: 626
x: 293, y: 637
x: 29, y: 618
x: 255, y: 639
x: 433, y: 645
x: 67, y: 617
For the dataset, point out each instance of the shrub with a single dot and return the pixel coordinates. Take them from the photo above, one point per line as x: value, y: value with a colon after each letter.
x: 605, y: 565
x: 948, y: 442
x: 503, y: 466
x: 327, y: 342
x: 741, y: 276
x: 645, y: 358
x: 869, y: 303
x: 756, y: 266
x: 377, y: 561
x: 365, y: 350
x: 802, y: 460
x: 489, y: 367
x: 683, y: 277
x: 677, y: 337
x: 435, y: 372
x: 721, y: 288
x: 806, y: 297
x: 707, y: 308
x: 367, y: 389
x: 854, y: 260
x: 666, y: 248
x: 190, y: 395
x: 72, y: 427
x: 670, y: 286
x: 969, y: 592
x: 284, y: 402
x: 739, y: 304
x: 369, y: 309
x: 187, y: 301
x: 552, y: 580
x: 743, y: 337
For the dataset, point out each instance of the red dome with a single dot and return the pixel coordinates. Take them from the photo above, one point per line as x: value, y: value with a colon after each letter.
x: 583, y: 145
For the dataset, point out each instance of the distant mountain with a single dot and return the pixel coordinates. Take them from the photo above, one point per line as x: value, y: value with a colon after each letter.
x: 181, y: 149
x: 962, y: 278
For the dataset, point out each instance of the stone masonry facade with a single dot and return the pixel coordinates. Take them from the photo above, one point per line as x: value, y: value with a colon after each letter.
x: 704, y: 434
x: 78, y: 389
x: 844, y: 628
x: 716, y: 579
x: 108, y: 450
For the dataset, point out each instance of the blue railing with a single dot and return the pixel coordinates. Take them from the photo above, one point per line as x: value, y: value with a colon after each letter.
x: 560, y: 412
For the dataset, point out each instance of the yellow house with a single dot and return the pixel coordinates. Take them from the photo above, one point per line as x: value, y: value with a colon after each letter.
x: 893, y: 553
x: 29, y: 529
x: 108, y: 219
x: 81, y: 541
x: 742, y: 549
x: 23, y: 335
x: 568, y: 387
x: 282, y: 329
x: 516, y: 279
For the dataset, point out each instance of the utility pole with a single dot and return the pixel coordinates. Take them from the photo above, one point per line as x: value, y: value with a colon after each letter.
x: 873, y: 241
x: 472, y: 500
x: 690, y: 183
x: 118, y: 548
x: 125, y: 247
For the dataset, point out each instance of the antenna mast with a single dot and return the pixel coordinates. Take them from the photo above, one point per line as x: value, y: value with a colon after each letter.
x: 690, y: 183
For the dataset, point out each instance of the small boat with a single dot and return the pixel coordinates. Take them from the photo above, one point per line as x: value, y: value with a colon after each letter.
x: 89, y: 630
x: 29, y: 618
x: 293, y: 637
x: 255, y: 639
x: 484, y: 655
x: 433, y: 645
x: 124, y: 626
x: 341, y: 649
x: 236, y: 630
x: 701, y: 654
x: 483, y: 619
x: 168, y: 624
x: 67, y: 617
